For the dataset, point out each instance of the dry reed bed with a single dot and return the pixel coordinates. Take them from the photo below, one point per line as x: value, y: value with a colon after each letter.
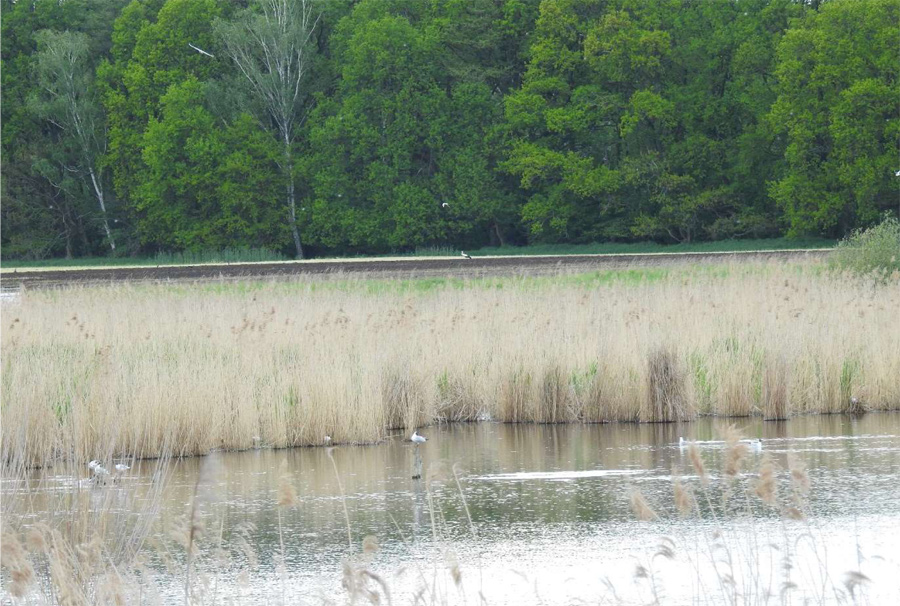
x: 138, y: 370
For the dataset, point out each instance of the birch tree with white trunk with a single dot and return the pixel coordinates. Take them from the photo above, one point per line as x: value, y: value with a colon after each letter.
x: 67, y: 98
x: 272, y: 45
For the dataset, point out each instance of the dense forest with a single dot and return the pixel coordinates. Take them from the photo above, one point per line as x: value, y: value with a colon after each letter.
x: 368, y: 126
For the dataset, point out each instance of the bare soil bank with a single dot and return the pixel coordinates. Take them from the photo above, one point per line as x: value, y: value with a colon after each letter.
x: 390, y: 267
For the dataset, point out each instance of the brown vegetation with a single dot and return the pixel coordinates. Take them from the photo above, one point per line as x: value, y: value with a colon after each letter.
x: 142, y: 370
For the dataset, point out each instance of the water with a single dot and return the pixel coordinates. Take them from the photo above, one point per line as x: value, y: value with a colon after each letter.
x: 10, y: 296
x: 550, y: 516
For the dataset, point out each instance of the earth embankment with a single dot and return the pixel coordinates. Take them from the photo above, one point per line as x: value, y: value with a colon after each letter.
x: 388, y: 267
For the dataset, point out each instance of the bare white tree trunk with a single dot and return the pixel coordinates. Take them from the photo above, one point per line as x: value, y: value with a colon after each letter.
x: 99, y: 192
x: 292, y: 203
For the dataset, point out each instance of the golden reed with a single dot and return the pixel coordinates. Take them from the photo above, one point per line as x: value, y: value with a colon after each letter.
x: 142, y: 370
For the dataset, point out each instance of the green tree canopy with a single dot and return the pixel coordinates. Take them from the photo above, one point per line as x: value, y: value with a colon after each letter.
x: 370, y: 126
x: 838, y: 113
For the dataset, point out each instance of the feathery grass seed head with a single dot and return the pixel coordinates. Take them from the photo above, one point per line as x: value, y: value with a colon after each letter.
x: 14, y: 559
x: 735, y: 453
x: 697, y: 462
x: 684, y: 498
x: 766, y: 485
x: 287, y: 494
x: 640, y: 507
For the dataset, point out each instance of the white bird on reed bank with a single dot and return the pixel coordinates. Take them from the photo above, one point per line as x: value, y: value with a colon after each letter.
x: 417, y: 439
x: 464, y: 255
x: 328, y: 439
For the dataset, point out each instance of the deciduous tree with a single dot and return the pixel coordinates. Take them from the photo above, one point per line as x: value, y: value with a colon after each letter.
x: 272, y: 45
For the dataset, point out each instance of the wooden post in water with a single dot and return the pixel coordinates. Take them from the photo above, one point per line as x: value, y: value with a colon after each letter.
x: 417, y: 464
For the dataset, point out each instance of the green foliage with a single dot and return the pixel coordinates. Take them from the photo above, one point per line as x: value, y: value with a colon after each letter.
x: 224, y: 255
x: 392, y: 167
x: 838, y: 85
x: 876, y: 249
x: 653, y: 247
x: 207, y: 186
x: 150, y: 54
x: 390, y: 126
x: 187, y: 257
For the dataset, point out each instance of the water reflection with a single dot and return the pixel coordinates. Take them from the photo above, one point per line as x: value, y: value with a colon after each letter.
x: 550, y: 518
x: 11, y: 297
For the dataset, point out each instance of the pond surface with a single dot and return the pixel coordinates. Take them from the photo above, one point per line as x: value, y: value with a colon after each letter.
x: 550, y: 516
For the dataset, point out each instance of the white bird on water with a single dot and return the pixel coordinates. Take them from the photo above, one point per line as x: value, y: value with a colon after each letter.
x: 122, y: 468
x: 464, y: 255
x: 754, y: 444
x: 416, y: 439
x: 99, y: 473
x: 96, y: 468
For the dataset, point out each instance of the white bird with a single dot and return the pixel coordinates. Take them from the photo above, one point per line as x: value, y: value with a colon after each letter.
x: 897, y: 174
x: 96, y: 467
x: 754, y: 444
x: 201, y: 51
x: 464, y: 255
x: 328, y: 439
x: 445, y: 205
x: 122, y: 468
x: 99, y: 473
x: 682, y: 443
x: 415, y: 437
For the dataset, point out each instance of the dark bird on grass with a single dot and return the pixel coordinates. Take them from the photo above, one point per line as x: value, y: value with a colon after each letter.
x: 464, y: 255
